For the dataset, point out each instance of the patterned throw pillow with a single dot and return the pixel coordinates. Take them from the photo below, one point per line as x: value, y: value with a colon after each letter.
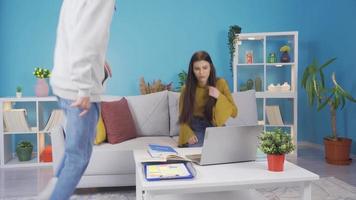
x: 118, y: 121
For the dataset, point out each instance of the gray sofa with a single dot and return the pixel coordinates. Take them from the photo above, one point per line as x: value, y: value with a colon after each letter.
x: 156, y: 117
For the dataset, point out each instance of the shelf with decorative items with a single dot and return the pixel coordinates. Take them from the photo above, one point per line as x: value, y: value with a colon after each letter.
x: 274, y: 67
x: 25, y: 124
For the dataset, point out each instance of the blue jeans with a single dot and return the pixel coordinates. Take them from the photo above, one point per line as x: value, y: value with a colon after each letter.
x: 199, y: 125
x: 79, y: 137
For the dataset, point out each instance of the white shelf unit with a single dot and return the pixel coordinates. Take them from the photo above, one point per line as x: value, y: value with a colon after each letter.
x: 8, y: 158
x: 264, y: 44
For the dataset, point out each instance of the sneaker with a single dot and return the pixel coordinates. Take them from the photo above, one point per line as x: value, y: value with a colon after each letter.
x: 47, y: 192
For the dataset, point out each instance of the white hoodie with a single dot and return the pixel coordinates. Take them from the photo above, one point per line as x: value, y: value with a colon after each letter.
x: 82, y: 40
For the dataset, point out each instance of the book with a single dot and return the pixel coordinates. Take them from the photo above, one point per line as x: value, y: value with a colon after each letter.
x: 274, y: 115
x: 157, y: 151
x: 15, y: 120
x: 167, y: 171
x: 54, y: 120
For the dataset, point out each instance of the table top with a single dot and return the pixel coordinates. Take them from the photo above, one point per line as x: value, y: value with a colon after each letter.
x: 233, y: 174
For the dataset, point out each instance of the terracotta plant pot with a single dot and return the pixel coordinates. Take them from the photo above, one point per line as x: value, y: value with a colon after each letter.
x: 275, y: 162
x: 337, y: 152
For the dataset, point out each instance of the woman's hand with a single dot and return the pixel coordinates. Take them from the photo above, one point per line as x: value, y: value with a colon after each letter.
x: 214, y: 92
x: 193, y: 140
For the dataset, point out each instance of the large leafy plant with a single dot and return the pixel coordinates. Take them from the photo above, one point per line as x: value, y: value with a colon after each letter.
x: 276, y: 142
x: 318, y: 93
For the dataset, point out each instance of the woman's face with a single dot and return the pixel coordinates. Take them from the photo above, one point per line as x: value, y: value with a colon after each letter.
x: 201, y: 71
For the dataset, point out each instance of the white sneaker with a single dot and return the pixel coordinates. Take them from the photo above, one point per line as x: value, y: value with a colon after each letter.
x: 47, y: 192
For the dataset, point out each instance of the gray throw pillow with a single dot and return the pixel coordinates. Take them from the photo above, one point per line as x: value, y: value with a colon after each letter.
x: 150, y: 113
x: 173, y: 102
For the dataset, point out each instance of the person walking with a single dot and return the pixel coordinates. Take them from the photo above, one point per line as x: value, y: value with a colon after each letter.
x: 77, y: 76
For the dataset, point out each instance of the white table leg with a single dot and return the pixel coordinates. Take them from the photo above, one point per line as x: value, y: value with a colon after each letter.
x: 306, y: 190
x: 139, y: 193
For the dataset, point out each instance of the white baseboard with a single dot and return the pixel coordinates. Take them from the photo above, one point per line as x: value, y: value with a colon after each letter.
x: 317, y: 146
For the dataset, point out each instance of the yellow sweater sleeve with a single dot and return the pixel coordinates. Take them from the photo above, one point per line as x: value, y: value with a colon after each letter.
x: 185, y: 132
x: 225, y: 106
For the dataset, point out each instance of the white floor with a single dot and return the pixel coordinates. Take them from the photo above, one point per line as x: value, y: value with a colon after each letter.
x: 21, y: 182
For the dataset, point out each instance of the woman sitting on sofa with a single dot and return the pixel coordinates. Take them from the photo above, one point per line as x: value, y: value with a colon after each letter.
x: 205, y: 101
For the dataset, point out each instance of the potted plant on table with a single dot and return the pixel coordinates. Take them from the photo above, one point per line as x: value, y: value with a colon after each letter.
x: 276, y: 144
x: 337, y: 149
x: 24, y: 150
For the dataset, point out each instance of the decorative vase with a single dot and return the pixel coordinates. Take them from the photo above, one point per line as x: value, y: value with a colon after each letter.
x: 249, y: 57
x: 258, y: 84
x: 18, y: 94
x: 285, y: 57
x: 24, y: 154
x: 272, y: 58
x: 41, y: 88
x: 46, y: 155
x: 275, y: 162
x: 249, y: 84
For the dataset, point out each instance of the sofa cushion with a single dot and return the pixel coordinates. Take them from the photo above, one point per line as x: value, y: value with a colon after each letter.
x: 247, y: 109
x: 173, y: 102
x: 109, y: 159
x: 118, y: 121
x: 100, y: 131
x: 150, y: 113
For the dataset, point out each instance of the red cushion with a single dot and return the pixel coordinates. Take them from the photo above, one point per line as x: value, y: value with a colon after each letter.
x: 118, y: 121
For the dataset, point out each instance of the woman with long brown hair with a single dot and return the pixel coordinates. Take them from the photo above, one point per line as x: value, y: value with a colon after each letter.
x: 205, y: 101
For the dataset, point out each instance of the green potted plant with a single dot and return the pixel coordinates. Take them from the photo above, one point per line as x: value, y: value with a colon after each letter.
x: 18, y: 91
x: 276, y: 144
x: 337, y: 149
x: 24, y: 150
x: 232, y: 39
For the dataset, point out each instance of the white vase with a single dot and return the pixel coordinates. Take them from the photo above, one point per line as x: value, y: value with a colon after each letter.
x: 18, y: 94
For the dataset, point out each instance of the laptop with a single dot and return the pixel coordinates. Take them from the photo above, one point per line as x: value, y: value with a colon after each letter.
x: 228, y: 144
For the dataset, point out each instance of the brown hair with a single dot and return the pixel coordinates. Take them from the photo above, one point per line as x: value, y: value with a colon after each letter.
x: 190, y: 88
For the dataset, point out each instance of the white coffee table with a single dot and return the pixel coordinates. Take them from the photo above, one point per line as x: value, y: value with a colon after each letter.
x: 226, y: 181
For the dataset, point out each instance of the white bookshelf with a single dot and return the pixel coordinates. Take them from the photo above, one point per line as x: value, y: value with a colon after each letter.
x: 8, y: 158
x: 262, y: 44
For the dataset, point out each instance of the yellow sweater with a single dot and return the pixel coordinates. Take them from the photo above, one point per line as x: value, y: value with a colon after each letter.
x: 223, y: 109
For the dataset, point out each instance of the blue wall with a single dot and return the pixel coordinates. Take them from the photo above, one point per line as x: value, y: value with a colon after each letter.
x: 156, y: 40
